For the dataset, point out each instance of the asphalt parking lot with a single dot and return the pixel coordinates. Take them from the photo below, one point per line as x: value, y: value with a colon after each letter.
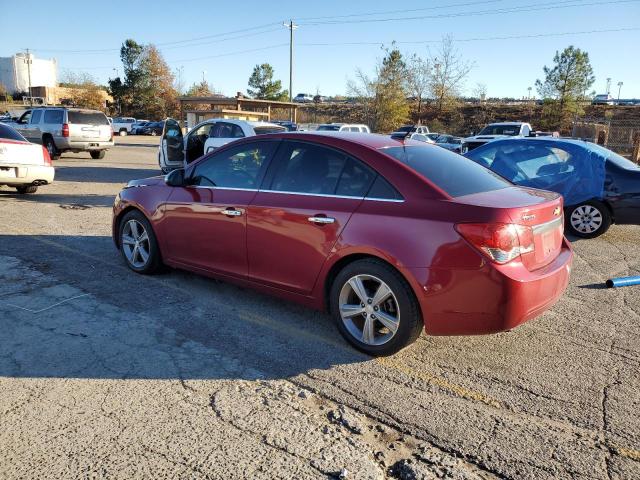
x: 109, y: 374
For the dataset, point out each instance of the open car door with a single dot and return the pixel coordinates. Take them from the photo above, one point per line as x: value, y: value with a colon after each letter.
x: 171, y: 153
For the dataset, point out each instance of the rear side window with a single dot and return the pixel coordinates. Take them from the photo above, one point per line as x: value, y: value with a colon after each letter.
x: 383, y: 190
x: 10, y: 134
x: 226, y: 130
x: 36, y: 116
x: 53, y: 116
x: 268, y: 129
x: 87, y: 118
x: 451, y: 172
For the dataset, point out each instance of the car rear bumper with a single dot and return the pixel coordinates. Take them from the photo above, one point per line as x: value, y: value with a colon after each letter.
x: 82, y: 145
x: 490, y: 299
x: 15, y: 175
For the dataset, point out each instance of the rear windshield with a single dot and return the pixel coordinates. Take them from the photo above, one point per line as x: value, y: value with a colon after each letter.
x: 87, y: 118
x: 329, y: 128
x: 456, y: 175
x: 500, y: 130
x: 10, y: 134
x: 272, y: 129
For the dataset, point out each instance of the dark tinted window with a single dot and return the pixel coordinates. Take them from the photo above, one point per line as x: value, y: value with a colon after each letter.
x: 453, y: 173
x: 355, y: 179
x: 239, y: 167
x: 269, y: 129
x: 87, y: 118
x: 36, y: 116
x: 10, y: 134
x: 226, y: 130
x: 500, y: 130
x: 308, y: 168
x: 381, y: 189
x: 329, y: 128
x: 53, y: 116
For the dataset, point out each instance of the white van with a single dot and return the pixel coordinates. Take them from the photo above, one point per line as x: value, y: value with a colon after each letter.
x: 343, y: 127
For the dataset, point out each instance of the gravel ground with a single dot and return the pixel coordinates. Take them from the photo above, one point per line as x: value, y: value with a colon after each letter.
x: 109, y: 374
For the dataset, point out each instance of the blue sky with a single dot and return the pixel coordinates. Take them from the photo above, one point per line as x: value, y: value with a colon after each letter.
x: 189, y: 35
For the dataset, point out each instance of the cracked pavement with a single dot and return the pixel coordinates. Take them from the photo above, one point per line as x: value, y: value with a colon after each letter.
x: 109, y: 374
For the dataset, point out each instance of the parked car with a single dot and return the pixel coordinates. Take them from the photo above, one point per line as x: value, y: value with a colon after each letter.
x: 65, y: 129
x: 123, y: 125
x: 152, y: 128
x: 23, y: 165
x: 138, y: 125
x: 303, y: 98
x: 433, y: 135
x: 494, y: 131
x: 420, y: 137
x: 343, y: 127
x: 449, y: 142
x: 177, y: 150
x: 291, y: 126
x: 392, y: 237
x: 599, y: 186
x: 422, y: 129
x: 604, y: 99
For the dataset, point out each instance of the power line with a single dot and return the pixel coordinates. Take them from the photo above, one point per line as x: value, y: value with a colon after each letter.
x: 543, y: 6
x: 269, y: 47
x: 476, y: 39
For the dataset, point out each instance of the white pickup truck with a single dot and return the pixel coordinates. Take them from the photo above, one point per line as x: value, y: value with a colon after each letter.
x: 122, y: 125
x: 494, y: 131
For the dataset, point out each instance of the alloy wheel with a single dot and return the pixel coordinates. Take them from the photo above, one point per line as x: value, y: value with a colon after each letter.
x: 586, y: 219
x: 369, y: 310
x: 135, y: 243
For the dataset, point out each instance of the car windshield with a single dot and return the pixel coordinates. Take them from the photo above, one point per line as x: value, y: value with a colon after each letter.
x: 329, y: 128
x: 456, y: 175
x: 500, y: 130
x: 10, y: 134
x: 87, y: 118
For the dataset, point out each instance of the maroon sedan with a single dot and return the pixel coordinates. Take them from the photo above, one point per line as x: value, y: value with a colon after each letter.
x: 390, y: 236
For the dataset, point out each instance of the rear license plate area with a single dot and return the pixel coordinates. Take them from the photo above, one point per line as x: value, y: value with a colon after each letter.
x: 8, y: 172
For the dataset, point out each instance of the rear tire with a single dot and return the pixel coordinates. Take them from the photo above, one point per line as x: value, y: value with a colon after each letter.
x: 50, y: 145
x: 588, y: 219
x: 27, y: 189
x: 395, y: 319
x: 123, y: 133
x: 138, y: 243
x: 97, y: 154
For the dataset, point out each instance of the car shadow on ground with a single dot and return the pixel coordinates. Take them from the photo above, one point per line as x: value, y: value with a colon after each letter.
x: 77, y: 311
x: 66, y: 201
x: 100, y: 174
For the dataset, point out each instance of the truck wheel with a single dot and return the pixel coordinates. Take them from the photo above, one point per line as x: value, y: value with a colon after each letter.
x: 96, y: 154
x: 123, y: 132
x: 26, y: 189
x: 50, y: 145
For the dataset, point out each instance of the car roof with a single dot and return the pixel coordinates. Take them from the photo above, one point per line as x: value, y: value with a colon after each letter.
x: 372, y: 140
x: 507, y: 123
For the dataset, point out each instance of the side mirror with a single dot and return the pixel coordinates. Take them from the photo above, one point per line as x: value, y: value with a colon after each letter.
x: 175, y: 178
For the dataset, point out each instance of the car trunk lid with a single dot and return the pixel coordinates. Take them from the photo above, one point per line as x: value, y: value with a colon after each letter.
x: 14, y: 152
x: 539, y: 212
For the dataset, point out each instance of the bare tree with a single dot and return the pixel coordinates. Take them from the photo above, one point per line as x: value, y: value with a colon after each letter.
x: 480, y: 92
x: 449, y: 73
x: 363, y: 88
x: 419, y: 78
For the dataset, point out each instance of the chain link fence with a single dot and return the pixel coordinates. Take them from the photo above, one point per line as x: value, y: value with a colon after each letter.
x: 620, y: 135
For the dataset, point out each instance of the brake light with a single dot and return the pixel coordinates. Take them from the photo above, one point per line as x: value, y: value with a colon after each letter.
x: 46, y: 157
x: 501, y: 242
x: 65, y: 129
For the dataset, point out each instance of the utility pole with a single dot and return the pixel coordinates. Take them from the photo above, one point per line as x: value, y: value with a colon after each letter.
x: 29, y: 75
x: 608, y: 86
x: 619, y: 88
x: 291, y: 26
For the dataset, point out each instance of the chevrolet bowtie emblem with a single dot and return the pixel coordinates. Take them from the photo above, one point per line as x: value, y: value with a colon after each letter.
x: 557, y: 211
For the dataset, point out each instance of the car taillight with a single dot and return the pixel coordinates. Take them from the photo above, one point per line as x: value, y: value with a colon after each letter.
x: 501, y: 242
x: 46, y: 157
x: 65, y: 129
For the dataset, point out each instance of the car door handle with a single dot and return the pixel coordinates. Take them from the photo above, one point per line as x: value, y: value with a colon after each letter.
x: 321, y: 220
x: 231, y: 212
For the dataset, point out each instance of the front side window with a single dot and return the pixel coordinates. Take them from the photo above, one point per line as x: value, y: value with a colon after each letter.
x: 36, y: 116
x: 26, y: 116
x: 238, y: 167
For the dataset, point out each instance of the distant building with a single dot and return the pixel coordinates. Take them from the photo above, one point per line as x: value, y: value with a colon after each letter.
x: 14, y: 72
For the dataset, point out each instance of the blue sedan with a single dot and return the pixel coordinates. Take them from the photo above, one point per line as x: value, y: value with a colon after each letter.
x: 599, y: 186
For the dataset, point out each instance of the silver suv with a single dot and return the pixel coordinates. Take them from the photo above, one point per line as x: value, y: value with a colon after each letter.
x: 62, y: 129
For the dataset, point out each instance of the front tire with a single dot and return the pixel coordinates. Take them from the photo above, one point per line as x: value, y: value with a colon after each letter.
x: 97, y: 154
x: 374, y: 308
x: 138, y: 243
x: 589, y: 219
x: 27, y: 189
x: 123, y: 133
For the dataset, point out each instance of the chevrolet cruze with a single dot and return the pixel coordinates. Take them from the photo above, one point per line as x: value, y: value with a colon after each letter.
x: 390, y: 236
